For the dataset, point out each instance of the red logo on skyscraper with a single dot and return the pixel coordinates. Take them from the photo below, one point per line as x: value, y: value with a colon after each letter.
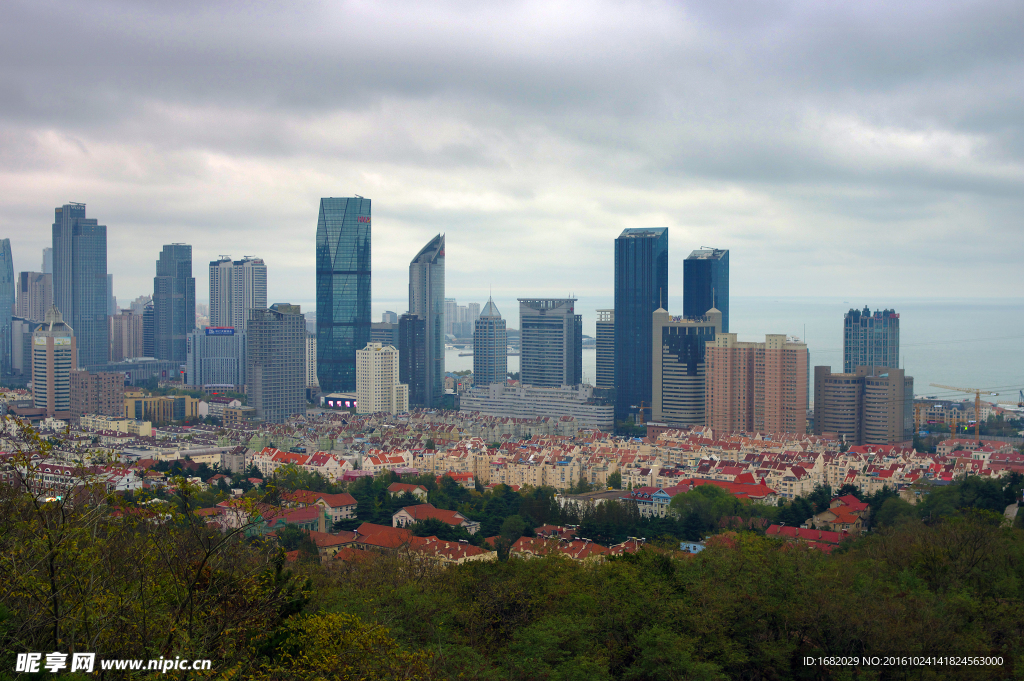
x: 363, y: 219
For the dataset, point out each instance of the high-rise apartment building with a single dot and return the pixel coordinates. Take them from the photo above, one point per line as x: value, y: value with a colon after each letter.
x: 236, y: 286
x: 870, y: 406
x: 174, y: 302
x: 451, y: 315
x: 311, y: 380
x: 35, y: 295
x: 47, y: 261
x: 706, y: 283
x: 342, y: 290
x: 275, y: 358
x: 389, y: 317
x: 679, y: 370
x: 378, y: 389
x: 641, y: 286
x: 871, y: 340
x: 99, y: 393
x: 605, y: 349
x: 7, y: 286
x: 412, y: 357
x: 127, y: 336
x: 138, y: 306
x: 111, y: 298
x: 54, y: 348
x: 21, y: 344
x: 552, y: 342
x: 426, y: 299
x: 216, y: 357
x: 80, y: 280
x: 149, y: 331
x: 756, y: 387
x: 490, y: 347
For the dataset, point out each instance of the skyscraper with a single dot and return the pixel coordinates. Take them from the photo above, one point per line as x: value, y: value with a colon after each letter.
x: 275, y: 362
x: 426, y: 299
x: 80, y: 280
x: 641, y: 284
x: 377, y: 386
x: 111, y: 299
x: 552, y: 342
x: 174, y: 302
x: 311, y: 380
x: 605, y: 349
x: 412, y: 357
x: 149, y: 331
x: 236, y: 286
x: 706, y: 284
x: 490, y: 347
x: 216, y: 357
x: 127, y: 336
x: 35, y: 295
x: 678, y: 376
x: 871, y: 340
x: 6, y: 307
x: 342, y: 290
x: 871, y: 406
x: 47, y: 261
x: 53, y: 360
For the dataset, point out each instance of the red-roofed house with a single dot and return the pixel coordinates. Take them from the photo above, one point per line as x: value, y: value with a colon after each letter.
x: 414, y: 514
x: 396, y: 489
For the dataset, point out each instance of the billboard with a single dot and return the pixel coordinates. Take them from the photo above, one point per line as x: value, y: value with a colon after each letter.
x: 220, y: 331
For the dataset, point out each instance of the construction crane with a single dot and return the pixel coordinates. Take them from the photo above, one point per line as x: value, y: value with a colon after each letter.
x: 977, y: 403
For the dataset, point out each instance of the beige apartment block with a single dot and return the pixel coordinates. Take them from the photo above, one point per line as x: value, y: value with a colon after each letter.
x: 377, y: 386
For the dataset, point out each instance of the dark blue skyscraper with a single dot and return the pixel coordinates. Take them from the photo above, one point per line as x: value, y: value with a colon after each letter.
x: 342, y: 290
x: 641, y: 284
x: 706, y: 284
x: 174, y: 303
x: 6, y: 303
x: 80, y: 281
x: 426, y: 300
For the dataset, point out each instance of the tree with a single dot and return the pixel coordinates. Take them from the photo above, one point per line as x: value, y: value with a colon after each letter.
x: 615, y: 480
x: 894, y: 511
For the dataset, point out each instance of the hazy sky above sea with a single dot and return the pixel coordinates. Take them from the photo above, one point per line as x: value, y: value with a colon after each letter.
x: 868, y: 150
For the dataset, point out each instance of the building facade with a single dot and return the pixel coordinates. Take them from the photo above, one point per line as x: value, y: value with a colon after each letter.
x: 490, y: 347
x: 311, y: 380
x: 342, y: 290
x: 426, y: 300
x: 605, y: 332
x: 526, y: 401
x: 216, y: 357
x: 35, y: 295
x: 377, y: 386
x: 871, y: 340
x: 80, y: 280
x: 236, y: 286
x: 756, y: 387
x: 127, y: 336
x: 870, y: 406
x: 174, y: 303
x: 7, y: 302
x: 275, y: 358
x: 100, y: 393
x: 679, y: 371
x: 551, y: 339
x: 412, y: 357
x: 641, y: 286
x: 384, y: 333
x: 54, y: 348
x: 138, y: 371
x: 706, y: 283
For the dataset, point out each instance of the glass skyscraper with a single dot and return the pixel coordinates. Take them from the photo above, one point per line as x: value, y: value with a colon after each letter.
x: 641, y: 284
x: 871, y: 340
x: 174, y: 303
x: 490, y: 347
x: 80, y: 281
x: 342, y: 290
x: 552, y: 342
x: 6, y: 306
x: 426, y: 299
x: 706, y: 284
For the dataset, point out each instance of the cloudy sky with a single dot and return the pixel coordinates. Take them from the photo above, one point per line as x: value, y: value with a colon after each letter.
x: 860, y: 149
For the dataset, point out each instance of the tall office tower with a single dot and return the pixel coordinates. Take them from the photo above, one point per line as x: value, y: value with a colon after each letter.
x: 377, y: 386
x: 97, y: 393
x: 384, y: 333
x: 275, y: 362
x: 605, y: 349
x: 678, y: 376
x: 21, y: 345
x: 54, y: 348
x: 127, y: 336
x: 111, y: 299
x: 426, y: 299
x: 871, y: 340
x: 342, y: 290
x: 7, y: 286
x: 641, y: 286
x: 138, y: 306
x: 47, y: 261
x: 552, y: 342
x: 389, y: 317
x: 236, y: 286
x: 216, y: 358
x: 871, y: 406
x: 490, y: 347
x: 149, y: 331
x: 756, y: 387
x: 706, y: 284
x: 35, y: 295
x: 174, y: 302
x: 80, y: 280
x: 311, y: 381
x: 474, y: 314
x: 451, y: 315
x: 412, y: 357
